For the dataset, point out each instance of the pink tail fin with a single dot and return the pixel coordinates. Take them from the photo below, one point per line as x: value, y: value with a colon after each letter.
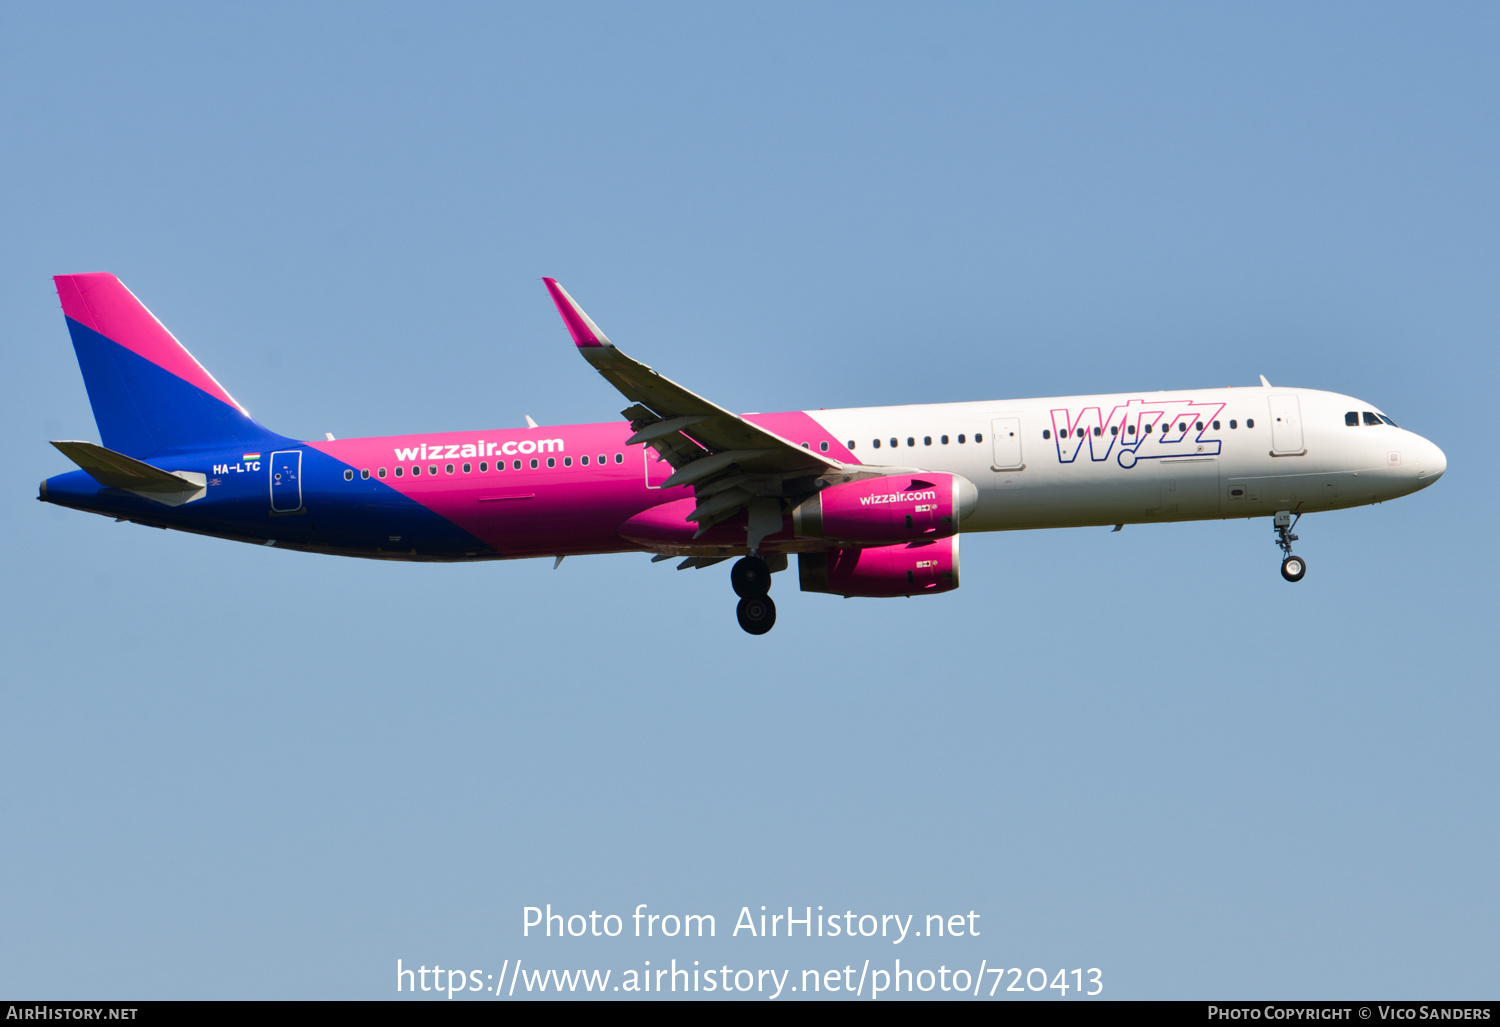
x: 102, y: 303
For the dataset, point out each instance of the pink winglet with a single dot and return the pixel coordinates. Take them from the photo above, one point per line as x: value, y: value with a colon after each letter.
x: 584, y: 331
x: 101, y: 302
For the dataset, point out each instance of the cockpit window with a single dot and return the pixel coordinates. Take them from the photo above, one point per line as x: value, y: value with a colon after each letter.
x: 1388, y: 421
x: 1371, y: 418
x: 1352, y: 418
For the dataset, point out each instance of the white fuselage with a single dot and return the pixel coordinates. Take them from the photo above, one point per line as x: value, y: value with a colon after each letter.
x: 1158, y: 456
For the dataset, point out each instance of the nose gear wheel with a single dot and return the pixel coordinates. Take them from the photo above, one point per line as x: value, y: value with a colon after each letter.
x: 1292, y: 567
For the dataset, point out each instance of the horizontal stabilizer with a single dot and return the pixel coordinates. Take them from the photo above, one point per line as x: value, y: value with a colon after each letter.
x: 116, y: 470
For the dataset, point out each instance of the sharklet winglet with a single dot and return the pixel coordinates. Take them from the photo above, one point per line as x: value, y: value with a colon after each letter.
x: 585, y: 333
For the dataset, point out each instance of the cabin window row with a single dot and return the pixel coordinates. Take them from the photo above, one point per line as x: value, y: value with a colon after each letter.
x: 911, y: 440
x: 484, y: 466
x: 1181, y: 426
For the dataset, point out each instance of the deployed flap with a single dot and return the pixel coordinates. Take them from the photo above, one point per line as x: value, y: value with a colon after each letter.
x: 116, y: 470
x: 711, y: 426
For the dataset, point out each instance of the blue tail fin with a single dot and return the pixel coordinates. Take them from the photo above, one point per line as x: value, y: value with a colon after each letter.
x: 148, y: 393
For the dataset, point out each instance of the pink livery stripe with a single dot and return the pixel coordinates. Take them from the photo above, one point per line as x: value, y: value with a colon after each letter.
x: 101, y: 302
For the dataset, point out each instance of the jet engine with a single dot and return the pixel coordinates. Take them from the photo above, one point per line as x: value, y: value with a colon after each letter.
x: 914, y: 569
x: 895, y: 508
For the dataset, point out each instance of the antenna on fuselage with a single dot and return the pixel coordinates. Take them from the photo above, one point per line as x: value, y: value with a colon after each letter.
x: 532, y: 424
x: 1262, y: 381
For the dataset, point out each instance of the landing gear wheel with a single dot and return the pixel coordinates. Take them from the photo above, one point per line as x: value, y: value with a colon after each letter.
x: 750, y: 577
x: 757, y: 614
x: 1292, y: 567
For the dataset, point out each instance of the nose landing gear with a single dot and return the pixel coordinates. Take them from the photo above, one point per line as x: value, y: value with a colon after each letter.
x: 1292, y: 567
x: 751, y: 578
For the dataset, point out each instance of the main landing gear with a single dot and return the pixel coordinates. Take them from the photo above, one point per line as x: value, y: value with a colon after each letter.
x: 751, y: 578
x: 1292, y: 567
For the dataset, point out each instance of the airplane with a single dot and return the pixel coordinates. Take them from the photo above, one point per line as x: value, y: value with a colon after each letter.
x: 872, y: 501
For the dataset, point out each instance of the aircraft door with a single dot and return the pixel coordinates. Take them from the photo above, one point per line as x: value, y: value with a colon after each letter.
x: 1006, y: 434
x: 286, y: 481
x: 1286, y: 425
x: 657, y: 469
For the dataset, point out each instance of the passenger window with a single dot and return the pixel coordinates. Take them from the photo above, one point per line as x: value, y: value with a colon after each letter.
x: 1352, y: 418
x: 602, y: 460
x: 910, y: 441
x: 516, y: 465
x: 851, y: 445
x: 468, y: 468
x: 398, y: 472
x: 1148, y: 429
x: 1216, y: 426
x: 1080, y: 435
x: 619, y: 458
x: 1249, y: 422
x: 534, y: 463
x: 567, y: 461
x: 1114, y: 429
x: 926, y: 440
x: 448, y: 469
x: 552, y: 461
x: 945, y: 440
x: 806, y: 446
x: 823, y: 447
x: 416, y: 469
x: 382, y: 472
x: 1130, y: 430
x: 1371, y: 419
x: 484, y: 465
x: 432, y: 468
x: 877, y: 443
x: 1098, y: 432
x: 1233, y: 423
x: 584, y: 461
x: 1046, y: 434
x: 348, y: 474
x: 960, y: 440
x: 978, y: 438
x: 364, y: 475
x: 1200, y: 425
x: 895, y: 443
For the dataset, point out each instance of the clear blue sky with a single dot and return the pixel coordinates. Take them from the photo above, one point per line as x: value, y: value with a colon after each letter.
x: 229, y: 771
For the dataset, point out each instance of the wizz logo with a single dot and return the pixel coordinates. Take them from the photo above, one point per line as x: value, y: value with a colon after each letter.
x: 1137, y: 430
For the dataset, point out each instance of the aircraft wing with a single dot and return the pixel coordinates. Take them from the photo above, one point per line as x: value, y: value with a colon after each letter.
x: 726, y: 459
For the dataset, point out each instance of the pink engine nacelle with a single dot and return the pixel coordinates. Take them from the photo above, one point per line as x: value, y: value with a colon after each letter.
x: 879, y: 511
x: 914, y: 569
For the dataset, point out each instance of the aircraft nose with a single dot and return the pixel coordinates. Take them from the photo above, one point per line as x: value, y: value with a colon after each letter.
x: 1431, y: 464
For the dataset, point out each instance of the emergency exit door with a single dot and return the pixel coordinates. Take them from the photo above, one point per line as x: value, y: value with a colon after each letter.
x: 1005, y: 433
x: 286, y: 481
